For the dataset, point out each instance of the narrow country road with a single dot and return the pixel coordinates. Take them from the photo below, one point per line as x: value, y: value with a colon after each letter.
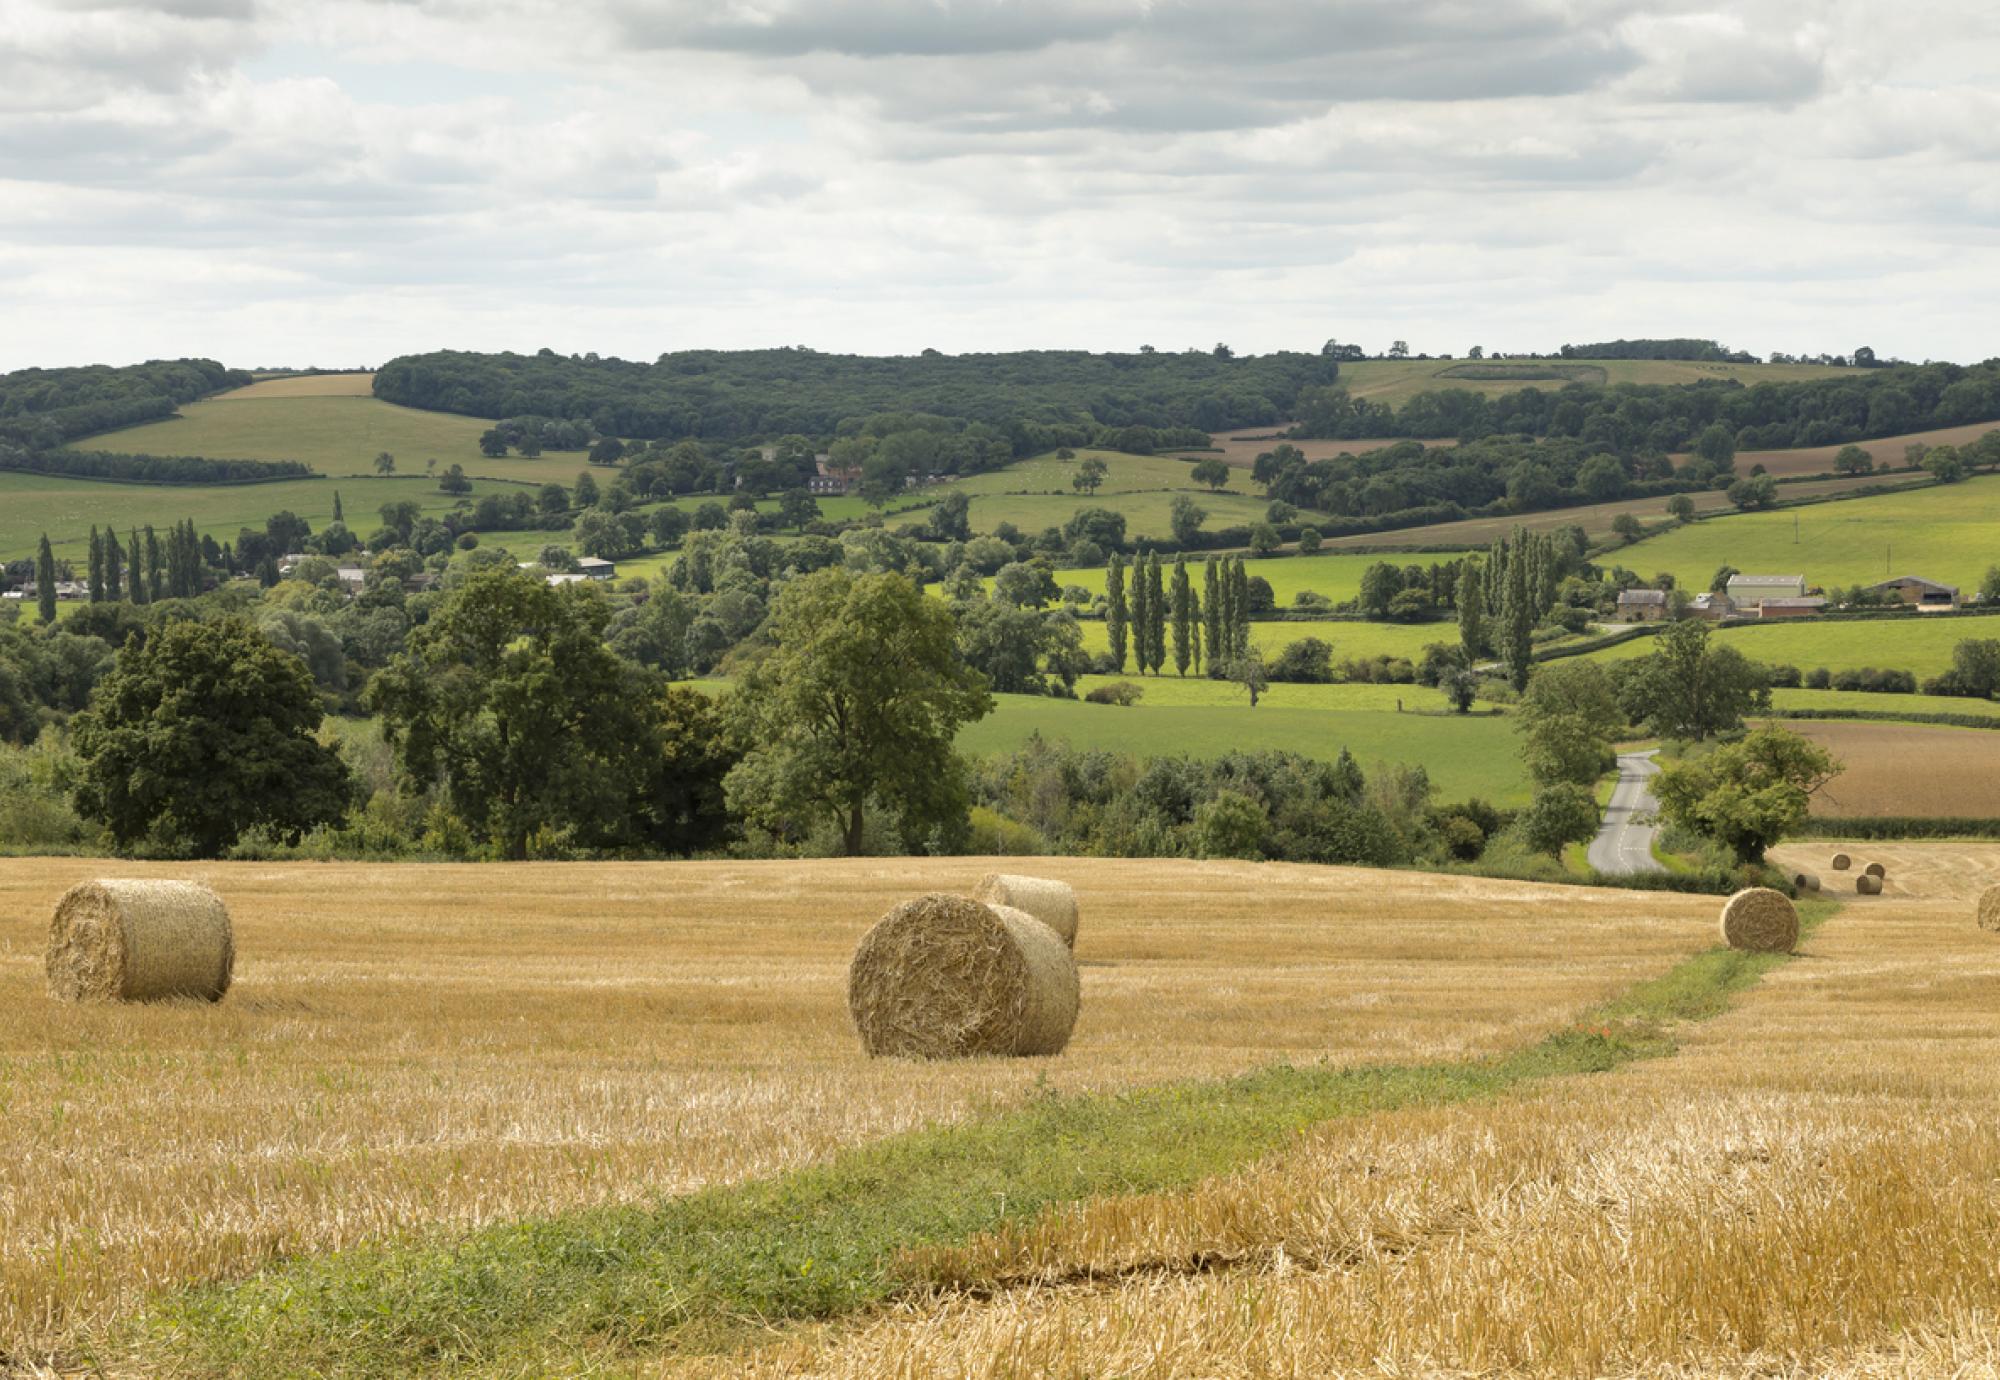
x: 1621, y: 845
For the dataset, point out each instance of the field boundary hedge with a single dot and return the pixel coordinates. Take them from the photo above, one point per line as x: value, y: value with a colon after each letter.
x: 1900, y: 827
x: 112, y: 467
x: 1890, y: 716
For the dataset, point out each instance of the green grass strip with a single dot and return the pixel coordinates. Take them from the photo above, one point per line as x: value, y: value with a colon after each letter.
x: 706, y: 1271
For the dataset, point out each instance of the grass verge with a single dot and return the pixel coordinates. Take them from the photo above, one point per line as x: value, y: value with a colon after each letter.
x: 711, y: 1270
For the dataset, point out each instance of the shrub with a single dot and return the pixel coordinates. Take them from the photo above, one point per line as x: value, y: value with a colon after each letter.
x: 1819, y: 678
x: 1784, y: 677
x: 1308, y: 661
x: 1122, y: 692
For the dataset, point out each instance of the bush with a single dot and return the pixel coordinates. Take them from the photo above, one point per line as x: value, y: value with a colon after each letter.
x: 995, y: 835
x: 1122, y: 692
x: 1819, y: 678
x: 1307, y: 661
x: 1784, y: 677
x: 1871, y: 680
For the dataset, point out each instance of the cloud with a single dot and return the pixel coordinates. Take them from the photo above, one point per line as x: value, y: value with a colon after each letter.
x: 344, y: 179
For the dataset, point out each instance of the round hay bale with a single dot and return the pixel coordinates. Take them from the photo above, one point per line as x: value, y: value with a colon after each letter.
x: 943, y: 977
x: 1876, y: 870
x: 1761, y: 921
x: 1841, y: 862
x: 140, y: 941
x: 1989, y: 908
x: 1049, y: 901
x: 1868, y: 884
x: 1804, y: 881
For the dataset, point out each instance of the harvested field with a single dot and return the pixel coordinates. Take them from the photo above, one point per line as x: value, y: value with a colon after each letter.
x: 1805, y: 1188
x: 1886, y: 452
x: 1907, y: 769
x: 1241, y: 448
x: 1595, y: 519
x: 305, y: 386
x: 413, y: 1047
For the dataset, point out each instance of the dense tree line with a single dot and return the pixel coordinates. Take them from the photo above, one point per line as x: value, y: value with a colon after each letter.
x: 44, y: 408
x: 1656, y: 419
x: 1682, y: 348
x: 150, y: 469
x: 717, y: 394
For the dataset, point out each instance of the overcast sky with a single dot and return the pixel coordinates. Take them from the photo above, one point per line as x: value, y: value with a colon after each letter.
x: 337, y: 181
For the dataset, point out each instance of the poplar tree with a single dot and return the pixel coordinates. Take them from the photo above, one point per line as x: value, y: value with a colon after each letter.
x: 1115, y: 612
x: 1195, y: 626
x: 1517, y: 626
x: 136, y: 578
x: 1142, y: 614
x: 114, y: 566
x: 1184, y: 632
x: 1472, y: 611
x: 1239, y: 598
x: 154, y: 588
x: 1212, y: 610
x: 338, y: 516
x: 96, y: 567
x: 45, y: 582
x: 1156, y: 605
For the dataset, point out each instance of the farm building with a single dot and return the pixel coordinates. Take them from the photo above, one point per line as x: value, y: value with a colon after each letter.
x: 1919, y: 592
x: 597, y: 568
x: 1711, y: 606
x: 1746, y: 592
x: 1641, y: 605
x: 1791, y: 608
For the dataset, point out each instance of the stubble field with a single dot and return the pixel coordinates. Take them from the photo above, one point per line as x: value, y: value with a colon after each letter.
x: 1907, y: 769
x: 416, y: 1048
x: 1805, y: 1188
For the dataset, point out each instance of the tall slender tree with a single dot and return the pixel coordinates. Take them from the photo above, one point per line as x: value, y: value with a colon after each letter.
x: 1195, y: 626
x: 136, y: 577
x: 1156, y: 605
x: 1518, y: 625
x: 1241, y: 607
x: 1472, y: 611
x: 1184, y: 629
x: 338, y: 516
x: 1142, y: 615
x: 96, y: 567
x: 114, y: 566
x: 154, y: 586
x: 45, y: 582
x: 1212, y: 610
x: 1116, y: 614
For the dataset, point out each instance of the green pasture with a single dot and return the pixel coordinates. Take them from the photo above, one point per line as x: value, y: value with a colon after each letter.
x: 1349, y: 639
x: 1171, y: 691
x: 1477, y: 755
x: 1148, y: 514
x: 335, y: 435
x: 1940, y: 531
x: 1789, y: 701
x: 31, y: 504
x: 1919, y: 645
x: 1337, y: 575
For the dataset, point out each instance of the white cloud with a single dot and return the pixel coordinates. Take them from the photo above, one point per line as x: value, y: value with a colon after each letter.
x: 282, y: 180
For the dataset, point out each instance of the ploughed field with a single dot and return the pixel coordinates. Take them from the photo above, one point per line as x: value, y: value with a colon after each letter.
x: 1907, y: 769
x: 414, y: 1049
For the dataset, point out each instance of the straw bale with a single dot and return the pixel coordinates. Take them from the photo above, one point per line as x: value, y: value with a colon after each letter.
x: 1989, y: 908
x: 1841, y: 862
x: 116, y: 940
x: 1868, y: 884
x: 1876, y: 870
x: 1760, y: 920
x: 1804, y: 881
x: 944, y: 977
x: 1049, y: 901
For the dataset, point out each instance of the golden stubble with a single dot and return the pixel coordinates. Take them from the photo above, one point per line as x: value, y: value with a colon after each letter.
x: 414, y: 1048
x: 1810, y: 1187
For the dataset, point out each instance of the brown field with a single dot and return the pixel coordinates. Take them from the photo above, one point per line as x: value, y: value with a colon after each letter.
x: 1596, y: 519
x: 1241, y: 448
x: 305, y: 386
x: 1907, y: 769
x: 1887, y: 451
x: 1806, y: 1188
x: 413, y: 1047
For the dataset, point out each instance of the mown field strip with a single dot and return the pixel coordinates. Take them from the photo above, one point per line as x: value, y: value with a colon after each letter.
x: 713, y: 1269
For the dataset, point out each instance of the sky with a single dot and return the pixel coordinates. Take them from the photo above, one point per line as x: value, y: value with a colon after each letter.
x: 333, y: 182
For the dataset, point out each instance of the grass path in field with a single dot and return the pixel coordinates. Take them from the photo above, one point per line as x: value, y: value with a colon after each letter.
x: 716, y: 1269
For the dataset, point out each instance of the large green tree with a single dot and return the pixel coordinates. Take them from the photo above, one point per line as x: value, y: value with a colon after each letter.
x: 202, y: 731
x: 859, y: 702
x: 538, y: 737
x: 1690, y: 689
x: 1746, y: 795
x: 1116, y: 614
x: 1567, y: 720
